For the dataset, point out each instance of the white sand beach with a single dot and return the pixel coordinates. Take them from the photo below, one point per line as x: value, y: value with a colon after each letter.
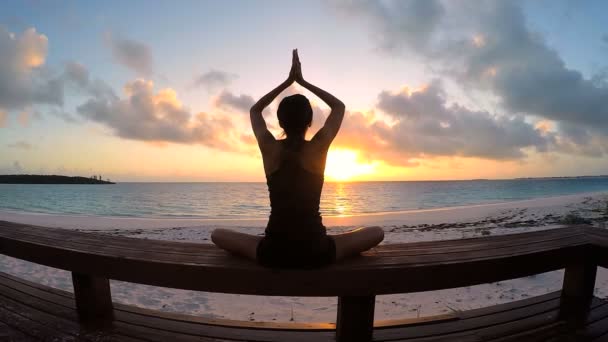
x: 406, y: 226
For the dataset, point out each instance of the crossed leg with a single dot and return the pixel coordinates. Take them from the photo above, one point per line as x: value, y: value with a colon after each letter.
x: 347, y: 244
x: 356, y: 241
x: 242, y: 244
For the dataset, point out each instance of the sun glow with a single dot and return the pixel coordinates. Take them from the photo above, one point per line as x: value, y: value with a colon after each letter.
x: 343, y: 165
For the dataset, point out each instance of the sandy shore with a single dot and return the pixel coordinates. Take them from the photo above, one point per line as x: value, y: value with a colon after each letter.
x: 407, y: 226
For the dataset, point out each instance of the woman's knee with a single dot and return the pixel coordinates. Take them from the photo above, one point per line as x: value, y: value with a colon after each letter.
x: 218, y: 234
x: 375, y: 234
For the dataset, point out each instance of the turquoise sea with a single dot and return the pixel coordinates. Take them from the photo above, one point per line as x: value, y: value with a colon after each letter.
x: 250, y: 200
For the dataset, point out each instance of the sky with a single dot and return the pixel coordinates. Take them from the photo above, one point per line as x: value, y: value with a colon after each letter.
x: 434, y: 90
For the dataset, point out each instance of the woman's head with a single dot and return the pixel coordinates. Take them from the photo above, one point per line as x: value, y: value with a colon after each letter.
x: 295, y: 115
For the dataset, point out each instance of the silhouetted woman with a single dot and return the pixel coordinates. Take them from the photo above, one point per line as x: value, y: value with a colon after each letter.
x: 295, y: 235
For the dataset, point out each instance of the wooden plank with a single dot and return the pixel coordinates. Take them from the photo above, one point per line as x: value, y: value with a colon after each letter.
x: 543, y: 333
x: 371, y: 262
x: 516, y: 304
x: 72, y: 240
x: 455, y: 257
x: 38, y: 291
x: 597, y: 323
x: 355, y: 321
x: 539, y: 319
x: 41, y: 293
x: 221, y: 332
x: 161, y: 329
x: 102, y: 239
x: 222, y: 277
x: 56, y: 326
x: 466, y: 324
x: 156, y: 246
x: 175, y: 323
x: 289, y: 282
x: 34, y: 330
x: 93, y: 300
x: 45, y: 311
x: 220, y: 322
x: 479, y: 243
x: 8, y: 334
x: 158, y: 335
x: 68, y: 245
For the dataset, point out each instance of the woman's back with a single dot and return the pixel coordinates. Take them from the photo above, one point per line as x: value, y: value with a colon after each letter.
x: 295, y: 194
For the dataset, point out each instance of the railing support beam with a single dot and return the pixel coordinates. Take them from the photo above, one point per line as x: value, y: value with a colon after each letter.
x: 355, y: 321
x: 577, y: 291
x: 93, y: 300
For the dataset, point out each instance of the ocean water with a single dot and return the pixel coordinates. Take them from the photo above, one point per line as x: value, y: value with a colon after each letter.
x: 250, y: 200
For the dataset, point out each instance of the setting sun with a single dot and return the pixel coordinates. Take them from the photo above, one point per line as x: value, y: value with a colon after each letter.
x: 343, y: 165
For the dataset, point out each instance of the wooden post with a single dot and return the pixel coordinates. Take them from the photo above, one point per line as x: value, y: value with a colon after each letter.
x: 355, y: 321
x: 93, y: 300
x: 577, y: 291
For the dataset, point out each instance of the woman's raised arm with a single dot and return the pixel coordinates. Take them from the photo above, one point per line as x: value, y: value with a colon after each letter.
x: 333, y: 122
x: 258, y: 124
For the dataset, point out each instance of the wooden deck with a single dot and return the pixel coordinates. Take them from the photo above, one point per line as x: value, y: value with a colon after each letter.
x: 32, y: 311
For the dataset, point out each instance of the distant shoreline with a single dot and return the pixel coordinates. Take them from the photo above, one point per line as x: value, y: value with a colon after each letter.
x: 49, y: 179
x: 382, y: 181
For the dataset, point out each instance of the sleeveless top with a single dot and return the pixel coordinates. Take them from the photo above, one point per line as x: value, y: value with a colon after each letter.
x: 295, y: 194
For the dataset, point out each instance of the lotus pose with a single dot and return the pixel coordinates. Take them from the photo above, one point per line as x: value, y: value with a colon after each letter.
x: 295, y: 236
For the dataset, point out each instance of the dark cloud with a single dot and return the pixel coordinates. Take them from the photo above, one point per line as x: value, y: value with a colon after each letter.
x: 528, y: 76
x: 77, y: 75
x: 22, y: 145
x: 228, y: 100
x: 15, y: 168
x: 214, y: 80
x: 398, y: 25
x: 158, y: 117
x: 3, y: 118
x: 492, y: 50
x: 132, y: 54
x: 427, y: 125
x: 23, y: 79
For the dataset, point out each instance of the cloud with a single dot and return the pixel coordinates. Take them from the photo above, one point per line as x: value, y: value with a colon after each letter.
x: 158, y: 117
x: 530, y: 77
x: 22, y: 145
x: 488, y: 47
x: 3, y: 117
x: 16, y: 167
x: 77, y: 75
x: 132, y: 54
x: 402, y: 24
x: 24, y: 118
x: 214, y: 80
x: 605, y: 38
x: 422, y: 124
x: 427, y: 125
x: 23, y: 79
x: 228, y: 100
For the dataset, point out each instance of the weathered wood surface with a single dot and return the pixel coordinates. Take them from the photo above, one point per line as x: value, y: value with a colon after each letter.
x: 396, y: 268
x: 35, y: 312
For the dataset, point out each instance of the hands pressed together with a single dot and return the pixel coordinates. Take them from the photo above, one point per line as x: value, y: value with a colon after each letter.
x: 332, y: 123
x: 295, y: 74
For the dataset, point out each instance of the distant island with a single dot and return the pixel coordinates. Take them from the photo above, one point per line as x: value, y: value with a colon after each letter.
x: 51, y: 179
